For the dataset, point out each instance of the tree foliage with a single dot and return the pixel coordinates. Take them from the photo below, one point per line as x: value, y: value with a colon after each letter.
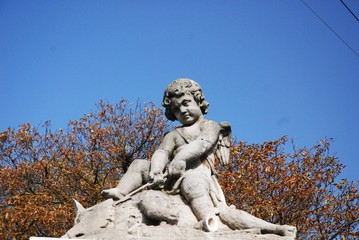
x: 42, y: 170
x: 297, y: 188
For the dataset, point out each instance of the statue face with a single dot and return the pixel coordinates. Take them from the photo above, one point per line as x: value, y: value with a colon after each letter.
x: 186, y: 109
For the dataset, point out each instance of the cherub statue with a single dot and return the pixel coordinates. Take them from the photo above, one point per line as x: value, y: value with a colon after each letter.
x: 184, y: 163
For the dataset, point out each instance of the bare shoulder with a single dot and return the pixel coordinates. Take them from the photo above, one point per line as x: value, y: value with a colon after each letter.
x: 209, y: 130
x: 205, y: 123
x: 169, y: 136
x: 168, y: 141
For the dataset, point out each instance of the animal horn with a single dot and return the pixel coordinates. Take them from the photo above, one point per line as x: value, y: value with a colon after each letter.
x: 78, y: 207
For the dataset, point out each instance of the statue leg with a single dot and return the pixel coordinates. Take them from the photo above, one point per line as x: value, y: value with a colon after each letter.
x: 238, y: 219
x: 195, y: 188
x: 135, y: 177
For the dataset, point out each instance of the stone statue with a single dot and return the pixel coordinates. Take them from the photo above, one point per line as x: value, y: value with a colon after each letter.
x: 179, y: 186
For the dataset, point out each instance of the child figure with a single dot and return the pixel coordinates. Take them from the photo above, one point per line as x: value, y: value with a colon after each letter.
x: 184, y: 160
x: 189, y: 147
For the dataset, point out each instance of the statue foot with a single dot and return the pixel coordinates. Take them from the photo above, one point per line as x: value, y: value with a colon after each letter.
x: 286, y: 230
x: 112, y: 193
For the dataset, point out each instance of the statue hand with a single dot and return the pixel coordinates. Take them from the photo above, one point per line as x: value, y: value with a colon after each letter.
x: 158, y: 179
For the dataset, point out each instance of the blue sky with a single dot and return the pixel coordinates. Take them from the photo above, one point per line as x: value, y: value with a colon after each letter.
x: 271, y: 68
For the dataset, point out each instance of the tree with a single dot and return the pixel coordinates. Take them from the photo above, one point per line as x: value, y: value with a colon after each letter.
x: 297, y: 188
x: 41, y: 171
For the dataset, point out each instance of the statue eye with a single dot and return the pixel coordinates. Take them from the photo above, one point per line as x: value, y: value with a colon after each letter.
x: 185, y: 103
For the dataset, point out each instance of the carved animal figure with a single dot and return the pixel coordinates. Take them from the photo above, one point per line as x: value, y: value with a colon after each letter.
x: 172, y: 217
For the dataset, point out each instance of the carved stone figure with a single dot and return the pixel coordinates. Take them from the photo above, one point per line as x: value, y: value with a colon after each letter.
x: 178, y: 187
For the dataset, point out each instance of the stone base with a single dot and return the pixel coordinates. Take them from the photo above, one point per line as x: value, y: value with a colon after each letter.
x: 125, y: 221
x: 248, y: 234
x: 49, y: 238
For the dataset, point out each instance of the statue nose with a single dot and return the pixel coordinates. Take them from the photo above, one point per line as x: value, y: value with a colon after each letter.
x: 183, y: 109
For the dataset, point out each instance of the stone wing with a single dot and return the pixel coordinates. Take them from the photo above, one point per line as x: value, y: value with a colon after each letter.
x: 224, y: 143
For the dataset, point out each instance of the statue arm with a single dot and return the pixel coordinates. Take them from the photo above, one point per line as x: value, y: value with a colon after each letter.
x: 161, y: 156
x: 202, y: 145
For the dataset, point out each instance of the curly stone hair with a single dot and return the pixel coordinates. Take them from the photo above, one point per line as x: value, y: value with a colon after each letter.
x: 180, y: 87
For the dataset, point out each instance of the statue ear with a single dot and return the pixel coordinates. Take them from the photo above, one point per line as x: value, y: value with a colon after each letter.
x: 78, y: 207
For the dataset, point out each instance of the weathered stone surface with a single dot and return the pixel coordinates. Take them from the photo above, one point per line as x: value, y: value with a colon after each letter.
x: 182, y: 166
x: 125, y: 221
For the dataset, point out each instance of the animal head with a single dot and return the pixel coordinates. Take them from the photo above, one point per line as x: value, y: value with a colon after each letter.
x: 91, y: 220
